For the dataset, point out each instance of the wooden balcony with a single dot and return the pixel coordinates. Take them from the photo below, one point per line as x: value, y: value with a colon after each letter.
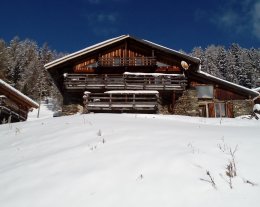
x: 176, y: 82
x: 112, y: 101
x: 126, y: 61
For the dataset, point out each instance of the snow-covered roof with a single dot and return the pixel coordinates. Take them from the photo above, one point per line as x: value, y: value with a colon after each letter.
x: 256, y: 89
x: 256, y: 107
x: 251, y: 91
x: 153, y: 74
x: 84, y: 51
x: 132, y: 92
x: 114, y: 40
x: 173, y: 51
x: 18, y: 93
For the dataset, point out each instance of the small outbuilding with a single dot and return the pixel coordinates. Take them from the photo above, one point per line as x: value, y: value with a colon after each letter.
x: 14, y: 105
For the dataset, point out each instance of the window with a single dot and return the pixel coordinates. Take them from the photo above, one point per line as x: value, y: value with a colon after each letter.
x: 117, y: 61
x: 138, y: 61
x: 220, y: 110
x: 204, y: 91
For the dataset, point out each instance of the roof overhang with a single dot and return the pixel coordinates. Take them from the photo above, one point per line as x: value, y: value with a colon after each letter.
x: 19, y: 95
x: 112, y: 41
x: 236, y: 87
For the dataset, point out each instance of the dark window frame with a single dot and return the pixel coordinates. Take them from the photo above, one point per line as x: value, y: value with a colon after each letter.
x: 210, y: 91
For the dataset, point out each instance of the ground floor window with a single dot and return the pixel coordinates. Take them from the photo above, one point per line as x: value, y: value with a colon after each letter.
x: 214, y: 109
x: 203, y: 110
x: 220, y: 109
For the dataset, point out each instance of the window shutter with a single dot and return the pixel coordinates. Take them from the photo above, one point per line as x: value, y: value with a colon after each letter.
x: 230, y: 110
x: 211, y: 109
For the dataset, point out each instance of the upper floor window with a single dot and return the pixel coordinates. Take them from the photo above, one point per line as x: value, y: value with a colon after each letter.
x: 205, y: 91
x: 117, y: 61
x: 138, y: 61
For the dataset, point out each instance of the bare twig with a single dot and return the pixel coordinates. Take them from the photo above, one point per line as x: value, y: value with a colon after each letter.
x: 99, y: 133
x: 249, y: 182
x: 211, y: 181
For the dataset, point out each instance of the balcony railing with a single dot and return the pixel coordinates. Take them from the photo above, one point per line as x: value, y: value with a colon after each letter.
x: 125, y: 82
x: 126, y: 61
x: 122, y: 101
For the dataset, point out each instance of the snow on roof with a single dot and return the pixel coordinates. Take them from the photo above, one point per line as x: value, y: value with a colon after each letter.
x: 256, y: 107
x: 174, y: 51
x: 230, y: 83
x: 256, y: 89
x: 132, y: 92
x: 109, y: 42
x: 20, y: 94
x: 84, y: 51
x: 152, y: 74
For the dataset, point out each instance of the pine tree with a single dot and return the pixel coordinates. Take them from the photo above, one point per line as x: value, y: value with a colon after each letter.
x: 3, y: 60
x: 211, y: 60
x: 234, y: 64
x: 222, y: 62
x: 199, y: 53
x: 254, y: 60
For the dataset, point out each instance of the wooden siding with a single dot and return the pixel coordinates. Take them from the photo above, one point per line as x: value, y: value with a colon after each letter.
x: 224, y: 94
x: 122, y: 56
x: 85, y: 66
x: 221, y: 93
x: 11, y: 108
x: 15, y: 99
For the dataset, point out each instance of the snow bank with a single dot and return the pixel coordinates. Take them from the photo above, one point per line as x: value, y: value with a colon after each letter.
x: 154, y: 74
x: 45, y: 112
x: 128, y: 160
x: 132, y: 92
x: 256, y: 107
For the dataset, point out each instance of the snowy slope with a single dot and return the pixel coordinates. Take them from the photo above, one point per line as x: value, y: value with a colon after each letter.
x: 123, y: 160
x: 45, y: 112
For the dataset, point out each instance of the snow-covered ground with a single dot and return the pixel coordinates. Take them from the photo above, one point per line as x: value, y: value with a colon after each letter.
x: 123, y: 160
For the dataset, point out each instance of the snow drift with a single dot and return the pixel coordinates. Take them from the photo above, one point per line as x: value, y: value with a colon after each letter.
x: 126, y: 160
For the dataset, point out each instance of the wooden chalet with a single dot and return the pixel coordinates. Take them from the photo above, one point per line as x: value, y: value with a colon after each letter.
x: 14, y: 105
x: 130, y: 74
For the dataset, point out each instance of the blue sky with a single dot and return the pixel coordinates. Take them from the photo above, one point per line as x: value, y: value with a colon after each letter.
x: 68, y: 26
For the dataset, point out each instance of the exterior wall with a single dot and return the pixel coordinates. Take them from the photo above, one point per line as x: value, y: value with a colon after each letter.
x: 71, y: 109
x: 224, y: 94
x: 242, y: 107
x: 124, y: 55
x: 187, y: 104
x: 12, y: 107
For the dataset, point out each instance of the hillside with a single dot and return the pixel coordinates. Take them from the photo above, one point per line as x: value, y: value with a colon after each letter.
x: 122, y: 160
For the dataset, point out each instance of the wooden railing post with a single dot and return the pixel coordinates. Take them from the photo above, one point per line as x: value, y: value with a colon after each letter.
x: 105, y: 80
x: 124, y: 80
x: 133, y: 100
x: 163, y: 82
x: 110, y: 100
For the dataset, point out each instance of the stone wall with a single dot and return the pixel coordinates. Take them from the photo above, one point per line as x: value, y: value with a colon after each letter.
x: 71, y: 109
x: 187, y: 104
x: 242, y: 107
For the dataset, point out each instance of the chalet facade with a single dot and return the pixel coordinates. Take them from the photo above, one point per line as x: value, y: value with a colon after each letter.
x: 14, y: 105
x: 130, y: 74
